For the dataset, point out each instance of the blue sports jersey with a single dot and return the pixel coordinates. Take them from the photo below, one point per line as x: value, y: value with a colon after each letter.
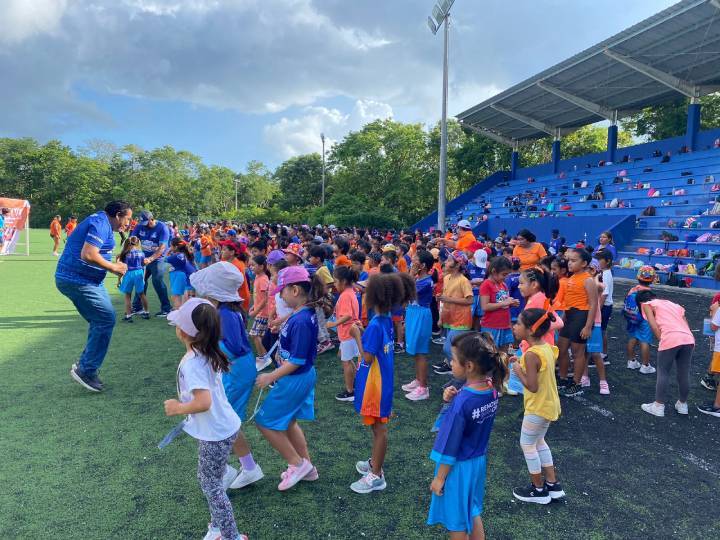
x: 150, y: 239
x: 234, y: 335
x: 374, y: 382
x: 298, y: 340
x: 475, y: 272
x: 465, y: 430
x: 513, y: 284
x: 180, y: 262
x: 134, y: 259
x: 96, y: 231
x: 310, y: 269
x: 424, y: 287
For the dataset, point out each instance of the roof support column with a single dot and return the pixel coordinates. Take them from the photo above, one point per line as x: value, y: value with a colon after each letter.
x: 514, y: 160
x: 612, y: 139
x: 556, y: 152
x: 693, y: 124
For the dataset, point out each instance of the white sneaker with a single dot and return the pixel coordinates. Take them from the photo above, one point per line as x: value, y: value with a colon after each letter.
x: 229, y: 476
x: 245, y: 478
x: 420, y: 393
x: 633, y: 364
x: 656, y: 409
x: 212, y: 533
x: 262, y: 362
x: 409, y: 387
x: 647, y: 370
x: 363, y: 467
x: 368, y: 483
x: 681, y: 408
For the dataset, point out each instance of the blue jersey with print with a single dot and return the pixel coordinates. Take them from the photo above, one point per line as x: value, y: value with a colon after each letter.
x: 134, y: 259
x: 234, y: 335
x: 298, y: 340
x: 180, y: 262
x: 465, y: 430
x: 475, y: 272
x: 151, y: 238
x: 424, y: 287
x: 513, y: 284
x: 96, y: 231
x: 374, y: 382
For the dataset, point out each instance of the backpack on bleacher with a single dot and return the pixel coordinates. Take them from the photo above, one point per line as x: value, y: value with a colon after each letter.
x: 649, y: 211
x: 614, y: 203
x: 703, y: 238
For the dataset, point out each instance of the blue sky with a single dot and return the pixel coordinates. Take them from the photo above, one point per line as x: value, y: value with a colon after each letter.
x: 237, y: 80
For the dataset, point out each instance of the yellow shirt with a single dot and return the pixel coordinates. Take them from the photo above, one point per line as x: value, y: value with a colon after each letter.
x: 456, y: 316
x: 545, y: 402
x: 324, y: 275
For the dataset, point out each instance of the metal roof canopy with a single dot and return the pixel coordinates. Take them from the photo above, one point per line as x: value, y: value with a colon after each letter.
x: 672, y: 54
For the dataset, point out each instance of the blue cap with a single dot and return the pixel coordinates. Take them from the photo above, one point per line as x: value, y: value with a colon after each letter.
x: 145, y: 216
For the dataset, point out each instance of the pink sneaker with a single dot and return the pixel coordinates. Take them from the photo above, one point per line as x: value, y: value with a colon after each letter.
x: 420, y: 393
x: 604, y: 388
x: 311, y: 476
x: 409, y: 387
x: 294, y: 474
x: 585, y: 381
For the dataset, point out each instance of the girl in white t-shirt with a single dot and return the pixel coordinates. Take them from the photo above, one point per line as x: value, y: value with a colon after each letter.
x: 210, y: 418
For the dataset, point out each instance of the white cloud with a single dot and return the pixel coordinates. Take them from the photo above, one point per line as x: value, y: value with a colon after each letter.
x: 301, y: 135
x: 21, y: 19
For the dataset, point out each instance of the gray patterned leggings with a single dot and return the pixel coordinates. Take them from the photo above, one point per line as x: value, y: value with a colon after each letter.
x: 212, y: 458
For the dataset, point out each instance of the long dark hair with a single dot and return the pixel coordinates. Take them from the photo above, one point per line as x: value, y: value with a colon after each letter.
x: 480, y: 349
x: 261, y: 260
x: 207, y: 341
x: 182, y: 246
x: 546, y: 280
x: 128, y: 245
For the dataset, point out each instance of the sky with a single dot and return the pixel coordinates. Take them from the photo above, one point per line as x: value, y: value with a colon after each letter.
x: 241, y: 80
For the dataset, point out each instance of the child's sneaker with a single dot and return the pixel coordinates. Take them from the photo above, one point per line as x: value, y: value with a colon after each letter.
x: 245, y: 478
x: 585, y: 381
x: 409, y: 387
x: 633, y: 364
x: 647, y: 370
x: 555, y: 490
x: 294, y: 474
x: 368, y: 483
x: 571, y: 390
x: 127, y: 318
x: 681, y: 408
x: 420, y: 393
x: 532, y: 494
x: 212, y: 533
x: 439, y: 340
x: 604, y: 388
x: 708, y: 381
x: 399, y: 348
x: 345, y: 396
x: 145, y: 315
x: 229, y: 476
x: 311, y: 476
x: 325, y: 346
x: 443, y: 370
x: 364, y: 467
x: 656, y: 409
x: 711, y: 409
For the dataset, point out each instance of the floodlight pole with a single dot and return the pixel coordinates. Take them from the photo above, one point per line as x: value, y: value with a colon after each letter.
x: 322, y: 138
x: 443, y: 130
x: 236, y: 192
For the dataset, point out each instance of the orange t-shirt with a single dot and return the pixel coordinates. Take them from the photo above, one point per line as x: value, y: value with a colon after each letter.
x: 529, y: 256
x: 347, y: 305
x: 559, y: 303
x: 206, y: 245
x: 55, y: 228
x: 70, y: 227
x: 575, y: 294
x: 342, y: 260
x: 464, y: 241
x: 261, y: 289
x: 402, y: 264
x: 244, y: 290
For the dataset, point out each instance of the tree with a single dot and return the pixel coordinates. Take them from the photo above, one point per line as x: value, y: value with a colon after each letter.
x: 300, y: 182
x: 670, y: 119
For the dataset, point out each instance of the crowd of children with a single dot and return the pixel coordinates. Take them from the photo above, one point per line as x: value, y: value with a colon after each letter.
x: 279, y: 296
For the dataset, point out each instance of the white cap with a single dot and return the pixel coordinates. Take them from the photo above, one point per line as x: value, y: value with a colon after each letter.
x: 182, y: 318
x: 480, y: 258
x: 464, y: 223
x: 219, y: 281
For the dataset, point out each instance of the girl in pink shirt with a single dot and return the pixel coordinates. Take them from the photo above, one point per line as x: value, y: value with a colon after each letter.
x: 676, y: 344
x: 260, y: 309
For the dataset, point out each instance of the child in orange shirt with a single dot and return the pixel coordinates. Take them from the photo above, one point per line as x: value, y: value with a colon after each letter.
x: 55, y: 228
x: 70, y: 226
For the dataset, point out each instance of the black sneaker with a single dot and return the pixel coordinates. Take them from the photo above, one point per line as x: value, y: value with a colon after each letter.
x: 162, y: 314
x: 708, y: 381
x: 439, y: 365
x: 555, y: 490
x: 711, y: 409
x: 399, y: 348
x: 571, y: 390
x: 532, y: 494
x: 137, y: 311
x: 445, y: 369
x: 564, y: 383
x: 145, y: 315
x: 345, y: 396
x: 94, y: 384
x: 127, y: 318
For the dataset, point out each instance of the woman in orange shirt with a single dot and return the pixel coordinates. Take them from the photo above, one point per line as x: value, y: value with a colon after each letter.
x: 55, y: 229
x: 528, y: 250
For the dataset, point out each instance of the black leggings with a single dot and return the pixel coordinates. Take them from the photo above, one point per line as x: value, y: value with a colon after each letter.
x: 435, y: 315
x: 680, y: 355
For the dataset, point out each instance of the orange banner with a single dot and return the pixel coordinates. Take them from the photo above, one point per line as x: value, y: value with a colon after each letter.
x: 15, y: 222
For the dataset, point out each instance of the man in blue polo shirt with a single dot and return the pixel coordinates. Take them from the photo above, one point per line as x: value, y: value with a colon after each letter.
x: 154, y: 238
x: 80, y: 273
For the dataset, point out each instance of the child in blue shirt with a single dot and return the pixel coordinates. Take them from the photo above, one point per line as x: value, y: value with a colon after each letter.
x: 512, y: 281
x: 458, y: 487
x: 477, y: 272
x: 134, y: 279
x: 182, y: 261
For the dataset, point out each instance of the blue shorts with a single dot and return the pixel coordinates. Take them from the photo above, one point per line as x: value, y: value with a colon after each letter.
x: 418, y: 328
x: 292, y: 398
x: 178, y: 283
x: 133, y: 280
x: 449, y: 336
x: 204, y: 259
x: 462, y: 500
x: 641, y: 331
x: 239, y: 382
x: 476, y: 306
x: 595, y: 343
x: 501, y: 337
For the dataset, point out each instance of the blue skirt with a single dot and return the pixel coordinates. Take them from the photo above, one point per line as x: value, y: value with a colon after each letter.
x: 500, y: 336
x: 292, y: 398
x: 178, y: 282
x: 239, y: 382
x: 594, y: 344
x: 133, y: 280
x: 418, y: 328
x: 462, y: 499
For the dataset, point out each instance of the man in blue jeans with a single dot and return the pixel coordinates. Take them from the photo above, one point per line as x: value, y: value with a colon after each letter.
x: 154, y: 238
x: 80, y: 274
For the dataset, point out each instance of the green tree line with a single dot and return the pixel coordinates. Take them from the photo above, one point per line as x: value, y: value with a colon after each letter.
x: 384, y: 174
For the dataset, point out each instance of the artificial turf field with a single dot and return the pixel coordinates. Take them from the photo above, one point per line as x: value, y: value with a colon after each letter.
x: 80, y: 465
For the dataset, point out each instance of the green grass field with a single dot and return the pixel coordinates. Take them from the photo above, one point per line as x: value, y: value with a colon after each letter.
x: 81, y: 465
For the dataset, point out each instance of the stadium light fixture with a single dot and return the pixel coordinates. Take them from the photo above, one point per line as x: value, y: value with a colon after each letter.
x: 431, y: 24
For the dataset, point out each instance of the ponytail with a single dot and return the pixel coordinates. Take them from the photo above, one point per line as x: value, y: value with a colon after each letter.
x: 207, y: 341
x: 480, y: 349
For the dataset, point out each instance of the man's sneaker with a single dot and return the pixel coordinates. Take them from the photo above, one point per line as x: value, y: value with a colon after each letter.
x: 604, y: 388
x: 711, y: 409
x: 409, y: 387
x: 656, y: 409
x: 311, y: 476
x: 261, y: 362
x: 127, y: 318
x: 369, y: 482
x: 420, y: 393
x: 229, y: 476
x: 681, y: 408
x: 439, y: 340
x: 647, y: 370
x: 585, y: 381
x: 555, y: 490
x: 145, y: 315
x: 633, y: 364
x: 364, y: 467
x: 399, y: 348
x: 532, y: 494
x: 245, y: 478
x: 345, y: 396
x: 708, y: 381
x: 571, y: 390
x: 162, y: 314
x: 94, y: 384
x: 325, y: 346
x: 294, y: 474
x: 443, y: 370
